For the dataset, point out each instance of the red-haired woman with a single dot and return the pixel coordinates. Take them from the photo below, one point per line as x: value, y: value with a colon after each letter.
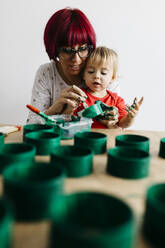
x: 69, y: 38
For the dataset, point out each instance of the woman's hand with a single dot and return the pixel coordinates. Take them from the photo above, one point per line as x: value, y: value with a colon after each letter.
x: 68, y: 101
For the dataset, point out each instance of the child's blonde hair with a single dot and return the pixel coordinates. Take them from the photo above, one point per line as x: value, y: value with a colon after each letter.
x: 101, y: 54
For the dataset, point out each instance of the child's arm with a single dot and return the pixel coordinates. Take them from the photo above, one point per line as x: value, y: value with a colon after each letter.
x: 129, y: 118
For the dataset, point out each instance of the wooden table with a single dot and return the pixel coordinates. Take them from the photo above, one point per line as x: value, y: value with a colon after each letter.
x: 36, y: 235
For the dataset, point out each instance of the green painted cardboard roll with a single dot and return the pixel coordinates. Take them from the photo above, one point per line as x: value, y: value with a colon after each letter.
x: 162, y: 148
x: 36, y: 127
x: 6, y: 222
x: 16, y: 153
x: 34, y: 189
x: 154, y: 217
x: 127, y: 162
x: 2, y: 137
x: 93, y: 220
x: 134, y: 141
x: 95, y: 141
x: 44, y: 141
x: 77, y: 161
x: 93, y: 110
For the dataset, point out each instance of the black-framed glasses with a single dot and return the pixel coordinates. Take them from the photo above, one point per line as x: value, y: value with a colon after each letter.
x: 69, y: 52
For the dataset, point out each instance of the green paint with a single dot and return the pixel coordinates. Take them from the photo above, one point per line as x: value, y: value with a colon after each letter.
x: 47, y: 118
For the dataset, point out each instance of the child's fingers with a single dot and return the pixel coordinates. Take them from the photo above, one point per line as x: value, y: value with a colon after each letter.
x: 132, y: 113
x: 114, y: 111
x: 112, y: 124
x: 113, y: 118
x: 135, y: 100
x: 136, y: 104
x: 141, y: 101
x: 108, y: 123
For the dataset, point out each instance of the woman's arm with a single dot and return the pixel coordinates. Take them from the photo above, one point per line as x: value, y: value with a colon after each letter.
x: 42, y: 96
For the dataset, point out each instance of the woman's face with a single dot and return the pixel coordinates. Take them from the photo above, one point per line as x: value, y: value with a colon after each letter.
x: 72, y: 59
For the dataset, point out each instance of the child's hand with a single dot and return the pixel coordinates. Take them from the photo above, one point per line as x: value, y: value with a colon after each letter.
x: 113, y: 114
x: 111, y: 118
x: 109, y: 114
x: 110, y: 123
x: 134, y: 109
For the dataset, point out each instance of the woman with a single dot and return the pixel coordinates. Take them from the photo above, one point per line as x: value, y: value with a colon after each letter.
x: 69, y: 39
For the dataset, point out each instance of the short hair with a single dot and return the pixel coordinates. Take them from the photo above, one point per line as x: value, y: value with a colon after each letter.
x: 67, y: 27
x: 101, y: 54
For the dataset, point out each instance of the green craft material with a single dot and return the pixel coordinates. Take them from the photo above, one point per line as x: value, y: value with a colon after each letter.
x: 93, y: 220
x: 154, y: 218
x: 106, y: 112
x: 2, y: 137
x: 6, y: 222
x: 16, y: 153
x: 44, y: 141
x: 106, y: 107
x: 77, y: 161
x: 162, y: 148
x: 36, y: 127
x: 92, y: 111
x: 34, y: 189
x: 127, y: 162
x: 134, y: 141
x: 99, y: 110
x: 93, y: 140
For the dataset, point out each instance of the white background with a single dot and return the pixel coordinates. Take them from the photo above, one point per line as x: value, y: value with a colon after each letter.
x: 134, y: 28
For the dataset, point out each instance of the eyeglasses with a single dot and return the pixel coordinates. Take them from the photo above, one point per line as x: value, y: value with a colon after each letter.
x: 69, y: 52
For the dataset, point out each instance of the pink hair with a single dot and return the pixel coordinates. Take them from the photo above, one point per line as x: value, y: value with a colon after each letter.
x: 67, y: 27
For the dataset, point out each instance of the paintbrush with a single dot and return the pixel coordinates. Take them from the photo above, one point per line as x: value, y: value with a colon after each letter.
x: 38, y: 112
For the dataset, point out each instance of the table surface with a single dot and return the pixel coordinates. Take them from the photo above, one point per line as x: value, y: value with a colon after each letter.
x: 36, y: 234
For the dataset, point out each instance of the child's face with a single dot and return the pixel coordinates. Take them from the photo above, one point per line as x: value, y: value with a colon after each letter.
x: 98, y: 77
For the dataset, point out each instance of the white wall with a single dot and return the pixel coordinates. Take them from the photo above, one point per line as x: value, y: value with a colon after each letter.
x: 134, y: 28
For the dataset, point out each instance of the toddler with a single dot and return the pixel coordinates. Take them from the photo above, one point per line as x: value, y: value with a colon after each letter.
x: 101, y: 71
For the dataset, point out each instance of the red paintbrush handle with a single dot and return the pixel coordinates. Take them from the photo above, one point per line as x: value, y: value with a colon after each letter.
x: 33, y: 108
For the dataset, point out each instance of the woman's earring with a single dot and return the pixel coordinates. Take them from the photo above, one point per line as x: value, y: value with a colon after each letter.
x: 57, y: 59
